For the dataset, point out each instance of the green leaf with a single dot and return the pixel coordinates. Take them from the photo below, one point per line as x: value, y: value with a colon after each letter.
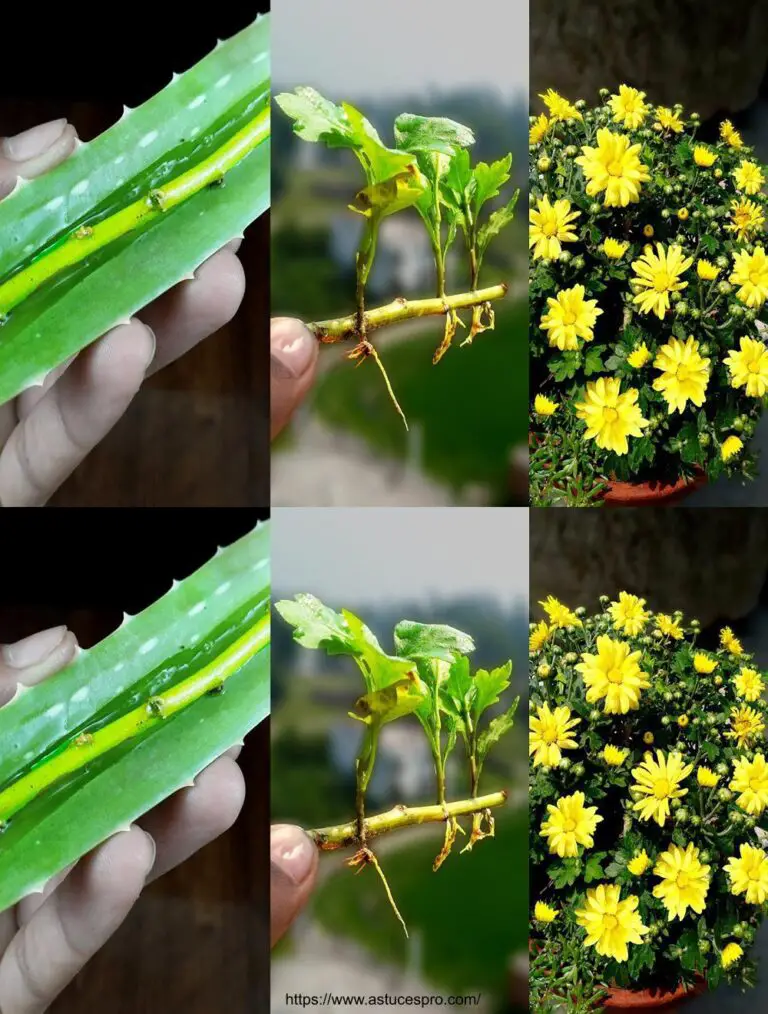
x: 593, y: 362
x: 487, y: 181
x: 487, y: 687
x: 564, y: 873
x: 564, y: 366
x: 496, y: 729
x: 150, y: 653
x: 593, y: 869
x: 43, y: 220
x: 496, y: 222
x: 317, y: 626
x: 431, y: 640
x: 415, y: 133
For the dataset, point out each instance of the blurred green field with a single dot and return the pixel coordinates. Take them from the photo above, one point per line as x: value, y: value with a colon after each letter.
x: 471, y: 915
x: 471, y: 407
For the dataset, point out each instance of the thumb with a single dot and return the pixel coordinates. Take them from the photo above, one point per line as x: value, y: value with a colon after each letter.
x: 293, y: 872
x: 34, y: 152
x: 34, y: 659
x: 293, y: 362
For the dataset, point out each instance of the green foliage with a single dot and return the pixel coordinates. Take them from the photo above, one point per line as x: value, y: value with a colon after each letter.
x: 683, y: 204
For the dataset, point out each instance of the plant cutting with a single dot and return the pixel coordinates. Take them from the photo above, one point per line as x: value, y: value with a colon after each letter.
x: 135, y: 718
x: 428, y: 169
x: 135, y: 211
x: 648, y: 282
x: 428, y: 677
x: 648, y: 797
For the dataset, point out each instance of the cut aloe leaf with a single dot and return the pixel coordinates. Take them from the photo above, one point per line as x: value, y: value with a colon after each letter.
x: 135, y: 211
x: 141, y: 714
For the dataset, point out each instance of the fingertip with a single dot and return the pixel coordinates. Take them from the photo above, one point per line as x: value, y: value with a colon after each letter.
x: 293, y: 854
x: 124, y: 355
x: 293, y: 349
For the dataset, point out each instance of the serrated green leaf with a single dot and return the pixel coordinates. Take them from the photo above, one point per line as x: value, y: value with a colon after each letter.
x: 496, y: 222
x: 488, y: 684
x: 488, y: 180
x: 415, y: 134
x: 431, y: 640
x: 496, y: 729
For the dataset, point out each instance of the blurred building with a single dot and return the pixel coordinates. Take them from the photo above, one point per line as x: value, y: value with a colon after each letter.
x: 403, y: 262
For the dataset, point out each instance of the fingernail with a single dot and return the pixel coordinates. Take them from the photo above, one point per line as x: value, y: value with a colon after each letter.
x: 34, y: 141
x: 292, y: 852
x: 153, y: 336
x: 154, y: 851
x: 292, y: 349
x: 33, y: 649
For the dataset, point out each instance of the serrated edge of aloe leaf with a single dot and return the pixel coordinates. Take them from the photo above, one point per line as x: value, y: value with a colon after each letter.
x: 93, y: 678
x: 121, y: 144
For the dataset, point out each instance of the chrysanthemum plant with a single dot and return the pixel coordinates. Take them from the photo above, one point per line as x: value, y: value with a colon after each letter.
x: 648, y: 797
x: 429, y: 677
x: 648, y: 282
x: 428, y: 169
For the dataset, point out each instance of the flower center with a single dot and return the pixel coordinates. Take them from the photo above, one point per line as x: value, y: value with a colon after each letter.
x: 569, y: 824
x: 550, y: 735
x: 661, y: 789
x: 611, y: 415
x: 683, y: 373
x: 610, y: 922
x: 550, y: 228
x: 661, y: 281
x: 683, y: 880
x: 569, y: 317
x: 755, y: 277
x: 754, y: 367
x: 755, y: 784
x: 614, y: 675
x: 615, y: 168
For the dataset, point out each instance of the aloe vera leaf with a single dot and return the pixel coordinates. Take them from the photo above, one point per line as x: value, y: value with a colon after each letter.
x: 39, y: 219
x: 218, y: 594
x: 59, y: 827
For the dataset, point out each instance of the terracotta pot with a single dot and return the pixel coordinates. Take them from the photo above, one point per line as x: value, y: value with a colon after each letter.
x: 651, y: 494
x: 646, y: 999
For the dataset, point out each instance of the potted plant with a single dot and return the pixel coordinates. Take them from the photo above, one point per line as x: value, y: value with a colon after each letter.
x: 648, y: 797
x: 648, y: 282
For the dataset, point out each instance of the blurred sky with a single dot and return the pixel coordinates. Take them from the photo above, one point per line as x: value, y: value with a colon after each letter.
x: 361, y: 556
x: 383, y: 49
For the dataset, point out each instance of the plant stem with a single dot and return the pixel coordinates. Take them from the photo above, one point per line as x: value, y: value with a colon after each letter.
x: 341, y: 836
x: 87, y: 747
x: 86, y: 240
x: 328, y: 332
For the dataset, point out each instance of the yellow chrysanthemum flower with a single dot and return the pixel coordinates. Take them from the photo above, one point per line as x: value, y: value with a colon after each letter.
x: 730, y: 642
x: 669, y: 627
x: 732, y: 446
x: 614, y: 756
x: 748, y: 367
x: 542, y: 912
x: 659, y: 781
x: 639, y: 863
x: 648, y: 738
x: 731, y: 954
x: 648, y: 231
x: 538, y: 130
x: 703, y: 663
x: 748, y: 176
x: 684, y: 374
x: 750, y: 273
x: 628, y: 107
x: 749, y: 683
x: 639, y: 356
x: 611, y: 923
x: 614, y: 248
x: 570, y: 316
x: 749, y: 874
x: 611, y: 416
x: 684, y: 881
x: 614, y: 167
x: 730, y: 135
x: 746, y: 218
x: 746, y: 724
x: 560, y: 616
x: 613, y: 674
x: 706, y: 270
x: 706, y: 778
x: 544, y: 406
x: 559, y: 107
x: 551, y: 732
x: 683, y: 214
x: 667, y: 119
x: 629, y: 614
x: 683, y: 721
x: 538, y: 637
x: 703, y: 156
x: 570, y: 824
x: 659, y: 275
x: 750, y: 780
x: 551, y: 225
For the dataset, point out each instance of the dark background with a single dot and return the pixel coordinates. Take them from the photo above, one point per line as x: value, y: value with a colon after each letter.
x: 197, y: 940
x: 197, y: 434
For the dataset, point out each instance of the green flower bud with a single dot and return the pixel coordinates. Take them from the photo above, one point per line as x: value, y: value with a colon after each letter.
x: 704, y: 946
x: 544, y: 670
x: 665, y: 720
x: 595, y: 208
x: 595, y: 715
x: 571, y: 657
x: 580, y: 611
x: 724, y: 288
x: 722, y: 261
x: 578, y: 770
x: 704, y: 439
x: 544, y: 163
x: 665, y: 213
x: 737, y: 424
x: 565, y: 763
x: 681, y: 816
x: 724, y: 795
x: 565, y: 256
x: 681, y: 309
x: 571, y: 150
x: 718, y: 174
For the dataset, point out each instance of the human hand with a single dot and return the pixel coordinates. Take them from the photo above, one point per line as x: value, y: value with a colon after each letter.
x: 293, y: 364
x: 47, y: 431
x: 47, y: 938
x: 293, y: 873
